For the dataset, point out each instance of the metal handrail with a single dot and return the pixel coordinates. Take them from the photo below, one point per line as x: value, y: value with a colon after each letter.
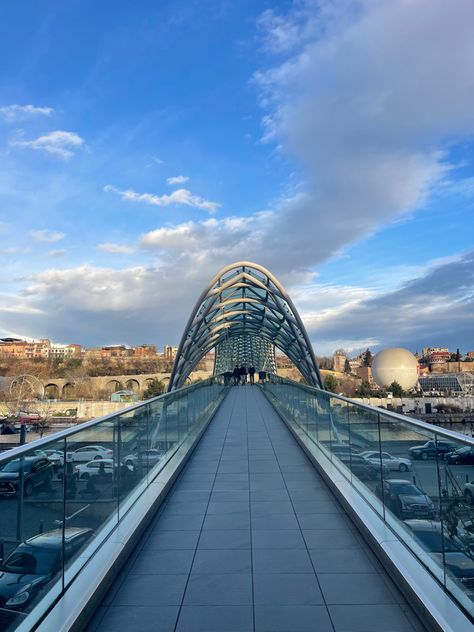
x: 452, y: 434
x: 37, y: 443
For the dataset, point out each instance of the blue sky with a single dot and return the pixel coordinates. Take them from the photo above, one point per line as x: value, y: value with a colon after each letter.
x: 142, y: 148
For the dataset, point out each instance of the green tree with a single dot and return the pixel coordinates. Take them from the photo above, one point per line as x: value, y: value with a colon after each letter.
x: 367, y: 358
x: 347, y: 366
x: 396, y: 389
x: 364, y: 390
x: 330, y: 383
x: 154, y: 388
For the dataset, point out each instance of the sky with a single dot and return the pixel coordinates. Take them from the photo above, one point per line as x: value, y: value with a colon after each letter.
x: 144, y: 146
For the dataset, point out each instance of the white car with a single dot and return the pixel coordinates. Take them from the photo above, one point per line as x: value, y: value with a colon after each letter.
x: 150, y: 457
x: 392, y: 462
x: 55, y: 456
x: 99, y: 467
x: 89, y: 453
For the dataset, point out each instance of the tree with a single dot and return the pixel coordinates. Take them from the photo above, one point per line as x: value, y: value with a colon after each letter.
x: 367, y: 358
x: 330, y: 383
x: 364, y: 390
x: 457, y: 356
x: 396, y: 389
x: 347, y: 366
x: 154, y: 388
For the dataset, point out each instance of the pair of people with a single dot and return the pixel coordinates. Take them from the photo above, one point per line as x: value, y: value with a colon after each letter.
x: 240, y: 374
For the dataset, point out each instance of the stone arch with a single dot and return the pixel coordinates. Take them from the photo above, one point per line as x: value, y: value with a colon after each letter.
x: 51, y: 391
x: 112, y: 386
x: 133, y: 385
x: 69, y: 390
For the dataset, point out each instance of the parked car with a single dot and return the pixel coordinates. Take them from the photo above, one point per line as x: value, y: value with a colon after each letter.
x: 461, y: 456
x: 98, y: 467
x: 405, y: 499
x: 390, y: 461
x: 363, y: 469
x: 36, y: 470
x: 430, y: 449
x: 89, y: 453
x: 56, y: 457
x: 150, y: 457
x: 34, y: 563
x: 457, y: 557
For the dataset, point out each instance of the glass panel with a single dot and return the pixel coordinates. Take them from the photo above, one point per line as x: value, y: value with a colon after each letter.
x: 182, y: 416
x: 131, y: 465
x: 157, y: 436
x: 91, y: 491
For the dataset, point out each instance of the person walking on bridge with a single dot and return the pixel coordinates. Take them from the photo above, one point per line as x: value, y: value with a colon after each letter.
x: 236, y: 374
x: 252, y: 375
x: 243, y: 375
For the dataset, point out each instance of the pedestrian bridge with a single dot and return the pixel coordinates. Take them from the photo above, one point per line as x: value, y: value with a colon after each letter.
x: 274, y: 507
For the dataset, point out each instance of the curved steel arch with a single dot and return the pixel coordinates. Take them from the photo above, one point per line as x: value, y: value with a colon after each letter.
x: 244, y: 299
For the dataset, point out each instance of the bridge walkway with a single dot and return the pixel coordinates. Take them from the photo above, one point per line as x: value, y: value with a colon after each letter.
x: 251, y: 539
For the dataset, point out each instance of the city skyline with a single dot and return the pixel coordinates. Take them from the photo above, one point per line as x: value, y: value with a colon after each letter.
x: 186, y: 136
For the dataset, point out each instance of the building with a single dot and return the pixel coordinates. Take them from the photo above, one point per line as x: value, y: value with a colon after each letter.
x: 339, y: 360
x: 169, y: 352
x: 447, y: 383
x: 436, y: 355
x: 365, y: 374
x: 144, y: 351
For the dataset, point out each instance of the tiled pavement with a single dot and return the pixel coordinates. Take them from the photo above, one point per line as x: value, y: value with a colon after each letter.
x: 251, y: 539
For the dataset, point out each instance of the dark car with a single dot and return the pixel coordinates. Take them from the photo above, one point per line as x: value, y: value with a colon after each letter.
x: 362, y: 468
x: 461, y: 456
x: 457, y: 557
x: 34, y: 563
x: 430, y: 449
x: 37, y: 471
x: 405, y: 499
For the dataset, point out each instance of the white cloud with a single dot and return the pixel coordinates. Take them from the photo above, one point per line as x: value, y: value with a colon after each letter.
x: 180, y: 196
x: 58, y: 143
x: 16, y: 112
x: 115, y: 249
x: 47, y: 236
x: 54, y: 254
x: 177, y: 179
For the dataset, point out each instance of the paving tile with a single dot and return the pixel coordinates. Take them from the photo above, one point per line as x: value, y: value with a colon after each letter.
x: 278, y: 495
x: 324, y: 521
x: 317, y: 507
x: 227, y: 521
x: 369, y: 618
x: 339, y: 561
x: 215, y: 619
x: 171, y: 540
x: 185, y: 508
x: 285, y: 589
x: 224, y: 507
x: 162, y: 562
x: 277, y: 539
x: 271, y: 508
x: 138, y: 590
x: 225, y: 539
x: 230, y: 496
x: 209, y: 561
x: 287, y: 521
x: 360, y: 588
x: 292, y: 619
x: 219, y: 590
x: 335, y: 539
x: 178, y: 523
x: 142, y: 618
x: 281, y: 561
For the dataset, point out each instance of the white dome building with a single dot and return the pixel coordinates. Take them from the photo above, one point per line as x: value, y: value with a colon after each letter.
x: 395, y: 365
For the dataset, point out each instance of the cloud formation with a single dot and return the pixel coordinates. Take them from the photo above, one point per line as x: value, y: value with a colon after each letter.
x: 17, y: 112
x: 115, y: 249
x: 177, y: 179
x: 58, y: 143
x: 47, y: 236
x: 180, y: 196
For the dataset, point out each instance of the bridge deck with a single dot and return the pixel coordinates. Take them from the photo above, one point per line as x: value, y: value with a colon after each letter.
x: 252, y: 539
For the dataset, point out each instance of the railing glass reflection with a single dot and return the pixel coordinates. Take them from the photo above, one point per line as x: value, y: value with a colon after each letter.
x: 418, y: 478
x: 62, y: 497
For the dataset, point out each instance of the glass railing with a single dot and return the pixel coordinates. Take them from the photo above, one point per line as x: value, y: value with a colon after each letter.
x: 63, y: 496
x: 419, y: 479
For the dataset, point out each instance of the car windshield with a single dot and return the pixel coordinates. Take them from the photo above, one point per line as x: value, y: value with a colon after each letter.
x: 31, y: 560
x: 406, y: 488
x: 433, y: 541
x: 14, y: 466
